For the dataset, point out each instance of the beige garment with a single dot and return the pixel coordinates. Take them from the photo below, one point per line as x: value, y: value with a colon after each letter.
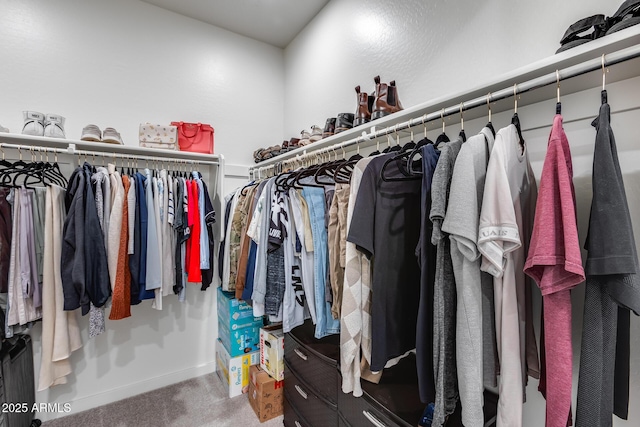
x: 336, y: 243
x: 355, y: 319
x: 60, y: 331
x: 115, y: 222
x: 235, y: 237
x: 306, y: 219
x: 245, y: 242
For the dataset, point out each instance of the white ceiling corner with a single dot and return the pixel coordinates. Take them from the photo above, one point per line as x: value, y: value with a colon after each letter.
x: 276, y: 22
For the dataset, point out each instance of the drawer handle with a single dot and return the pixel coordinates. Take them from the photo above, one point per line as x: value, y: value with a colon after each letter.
x: 297, y: 424
x: 373, y: 420
x: 300, y: 391
x: 300, y: 354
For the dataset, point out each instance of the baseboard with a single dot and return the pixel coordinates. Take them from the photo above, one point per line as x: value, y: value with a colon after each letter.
x: 119, y: 393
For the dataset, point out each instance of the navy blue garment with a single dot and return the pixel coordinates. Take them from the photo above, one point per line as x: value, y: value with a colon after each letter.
x: 209, y: 219
x: 227, y: 214
x: 251, y: 269
x: 426, y: 254
x: 141, y: 198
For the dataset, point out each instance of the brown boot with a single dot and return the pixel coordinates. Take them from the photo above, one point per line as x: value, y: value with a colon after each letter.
x: 363, y: 114
x: 387, y: 101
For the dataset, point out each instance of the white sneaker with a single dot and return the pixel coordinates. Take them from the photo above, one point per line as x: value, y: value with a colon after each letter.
x: 54, y: 126
x: 111, y: 136
x: 91, y: 133
x: 33, y: 123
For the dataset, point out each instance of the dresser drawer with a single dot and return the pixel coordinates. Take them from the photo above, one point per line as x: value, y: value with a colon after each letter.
x: 358, y: 411
x: 321, y: 374
x: 291, y: 417
x: 306, y: 403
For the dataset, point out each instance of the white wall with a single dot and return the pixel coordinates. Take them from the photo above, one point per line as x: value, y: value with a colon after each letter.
x: 119, y: 63
x: 437, y: 48
x: 431, y: 48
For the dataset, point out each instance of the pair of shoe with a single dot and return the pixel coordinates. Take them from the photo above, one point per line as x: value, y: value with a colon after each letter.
x: 266, y: 153
x: 383, y: 102
x: 307, y: 137
x: 38, y: 124
x: 344, y: 121
x: 596, y: 26
x: 93, y: 133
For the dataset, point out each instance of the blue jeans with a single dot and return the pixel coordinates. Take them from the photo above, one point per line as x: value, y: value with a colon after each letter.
x: 325, y: 323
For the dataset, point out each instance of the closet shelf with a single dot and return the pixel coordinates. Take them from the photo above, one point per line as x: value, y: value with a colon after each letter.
x: 73, y: 145
x: 627, y: 38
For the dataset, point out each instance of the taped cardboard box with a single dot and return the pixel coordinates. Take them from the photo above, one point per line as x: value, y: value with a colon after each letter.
x: 272, y: 351
x: 265, y: 394
x: 234, y: 371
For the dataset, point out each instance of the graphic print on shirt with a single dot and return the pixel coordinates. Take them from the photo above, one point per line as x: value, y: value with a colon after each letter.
x: 277, y: 230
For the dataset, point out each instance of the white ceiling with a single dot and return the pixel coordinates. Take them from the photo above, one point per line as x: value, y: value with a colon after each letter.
x: 276, y: 22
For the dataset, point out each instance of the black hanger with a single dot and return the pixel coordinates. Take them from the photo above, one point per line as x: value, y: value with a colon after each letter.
x: 342, y: 174
x: 515, y: 120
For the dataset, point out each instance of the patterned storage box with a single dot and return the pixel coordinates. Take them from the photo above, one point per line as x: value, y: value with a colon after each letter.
x: 158, y: 136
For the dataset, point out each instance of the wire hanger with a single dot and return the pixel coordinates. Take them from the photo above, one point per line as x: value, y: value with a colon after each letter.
x: 463, y: 136
x: 443, y: 136
x: 515, y: 120
x: 558, y: 104
x: 490, y: 125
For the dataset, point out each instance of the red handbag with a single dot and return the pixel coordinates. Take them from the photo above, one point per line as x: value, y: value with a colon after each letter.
x: 195, y: 137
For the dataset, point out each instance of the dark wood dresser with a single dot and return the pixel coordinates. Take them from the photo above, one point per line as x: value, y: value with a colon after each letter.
x: 313, y: 394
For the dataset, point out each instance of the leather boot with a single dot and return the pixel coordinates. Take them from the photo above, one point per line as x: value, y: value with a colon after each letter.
x: 329, y: 127
x: 363, y: 113
x: 344, y: 122
x: 387, y: 100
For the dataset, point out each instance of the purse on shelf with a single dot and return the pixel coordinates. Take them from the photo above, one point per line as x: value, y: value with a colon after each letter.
x: 195, y: 137
x: 158, y: 136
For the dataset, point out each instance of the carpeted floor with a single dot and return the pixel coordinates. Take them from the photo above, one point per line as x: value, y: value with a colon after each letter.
x: 198, y: 402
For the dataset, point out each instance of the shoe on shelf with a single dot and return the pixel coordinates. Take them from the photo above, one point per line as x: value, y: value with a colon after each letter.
x: 3, y: 129
x: 387, y: 100
x: 329, y: 127
x: 111, y: 136
x: 344, y: 121
x: 363, y: 110
x: 91, y: 133
x: 33, y: 123
x: 305, y: 138
x: 316, y: 133
x: 54, y: 126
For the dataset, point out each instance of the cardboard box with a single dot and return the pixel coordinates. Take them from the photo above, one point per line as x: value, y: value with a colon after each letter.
x: 265, y: 394
x: 234, y: 371
x: 244, y: 339
x: 234, y: 313
x: 272, y: 351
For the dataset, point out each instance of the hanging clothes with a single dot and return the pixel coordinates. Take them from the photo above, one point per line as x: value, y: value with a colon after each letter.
x: 121, y: 298
x: 555, y: 263
x: 207, y: 229
x: 6, y: 225
x: 388, y: 228
x: 612, y: 287
x: 355, y: 322
x: 444, y: 290
x: 60, y: 331
x: 85, y: 274
x: 506, y: 221
x: 461, y: 223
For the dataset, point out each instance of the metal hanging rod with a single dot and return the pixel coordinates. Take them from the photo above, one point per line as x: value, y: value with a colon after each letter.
x: 87, y: 153
x: 275, y: 164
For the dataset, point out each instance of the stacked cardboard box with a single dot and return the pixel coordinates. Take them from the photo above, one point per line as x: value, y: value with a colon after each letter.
x: 238, y: 330
x: 272, y: 351
x: 234, y: 371
x: 265, y: 394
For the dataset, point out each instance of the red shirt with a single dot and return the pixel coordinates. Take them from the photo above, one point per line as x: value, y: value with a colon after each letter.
x: 194, y: 274
x: 555, y: 263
